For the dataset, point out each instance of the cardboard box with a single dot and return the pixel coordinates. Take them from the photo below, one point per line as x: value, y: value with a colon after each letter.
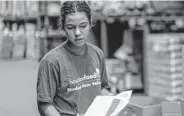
x: 171, y: 109
x: 182, y: 106
x: 143, y: 106
x: 163, y: 95
x: 164, y: 89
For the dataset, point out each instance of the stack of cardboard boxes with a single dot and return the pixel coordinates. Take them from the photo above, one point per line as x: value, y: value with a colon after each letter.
x: 164, y: 66
x: 161, y: 80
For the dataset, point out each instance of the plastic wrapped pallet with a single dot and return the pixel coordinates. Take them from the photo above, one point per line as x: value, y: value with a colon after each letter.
x: 164, y: 66
x: 19, y: 42
x: 163, y: 95
x: 182, y: 99
x: 1, y: 34
x: 33, y: 45
x: 7, y: 43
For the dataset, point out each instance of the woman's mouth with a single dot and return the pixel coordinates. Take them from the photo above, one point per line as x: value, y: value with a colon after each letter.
x: 79, y: 39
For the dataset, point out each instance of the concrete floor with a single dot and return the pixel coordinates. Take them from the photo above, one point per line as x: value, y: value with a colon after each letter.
x: 18, y: 88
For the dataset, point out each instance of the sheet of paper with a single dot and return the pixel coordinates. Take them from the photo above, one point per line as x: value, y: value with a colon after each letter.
x: 125, y: 99
x: 125, y: 94
x: 108, y: 105
x: 120, y: 107
x: 100, y: 106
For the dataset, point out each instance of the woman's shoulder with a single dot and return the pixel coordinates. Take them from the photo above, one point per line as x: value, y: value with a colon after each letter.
x: 54, y: 55
x: 96, y: 49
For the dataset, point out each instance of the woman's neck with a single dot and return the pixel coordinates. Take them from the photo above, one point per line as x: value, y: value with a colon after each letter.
x: 76, y: 49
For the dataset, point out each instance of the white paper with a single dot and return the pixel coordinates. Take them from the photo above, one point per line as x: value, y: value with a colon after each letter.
x: 102, y: 104
x: 120, y: 107
x: 125, y: 99
x: 99, y: 106
x: 125, y: 94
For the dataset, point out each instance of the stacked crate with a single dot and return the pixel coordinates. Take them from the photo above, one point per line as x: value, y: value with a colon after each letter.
x: 164, y: 66
x: 116, y: 71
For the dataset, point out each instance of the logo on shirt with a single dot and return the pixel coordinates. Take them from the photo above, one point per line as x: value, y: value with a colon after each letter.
x: 85, y: 77
x: 88, y: 80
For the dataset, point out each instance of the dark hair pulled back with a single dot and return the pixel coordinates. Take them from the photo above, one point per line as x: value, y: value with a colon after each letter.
x: 69, y: 7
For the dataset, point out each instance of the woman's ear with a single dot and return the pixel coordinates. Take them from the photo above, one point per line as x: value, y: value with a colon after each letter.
x: 92, y: 23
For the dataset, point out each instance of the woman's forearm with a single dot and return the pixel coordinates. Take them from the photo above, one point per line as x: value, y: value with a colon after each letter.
x: 47, y: 109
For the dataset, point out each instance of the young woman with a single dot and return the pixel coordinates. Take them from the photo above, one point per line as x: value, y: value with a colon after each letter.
x: 71, y: 75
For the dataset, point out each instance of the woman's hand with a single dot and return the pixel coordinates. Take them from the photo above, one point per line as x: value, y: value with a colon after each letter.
x: 105, y: 92
x: 80, y: 114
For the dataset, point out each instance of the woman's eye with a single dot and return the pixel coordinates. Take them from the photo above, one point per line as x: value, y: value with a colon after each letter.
x: 70, y: 28
x: 83, y: 26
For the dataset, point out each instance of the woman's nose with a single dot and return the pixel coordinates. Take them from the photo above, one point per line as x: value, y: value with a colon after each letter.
x: 77, y: 32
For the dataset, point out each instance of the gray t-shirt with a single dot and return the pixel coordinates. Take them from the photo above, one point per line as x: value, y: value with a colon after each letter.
x: 70, y: 81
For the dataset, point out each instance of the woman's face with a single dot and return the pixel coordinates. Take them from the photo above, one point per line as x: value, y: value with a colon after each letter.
x: 77, y: 28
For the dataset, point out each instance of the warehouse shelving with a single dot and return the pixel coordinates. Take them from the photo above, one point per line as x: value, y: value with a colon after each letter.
x: 50, y: 35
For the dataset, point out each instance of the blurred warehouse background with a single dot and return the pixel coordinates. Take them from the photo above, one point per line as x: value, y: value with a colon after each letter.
x: 142, y: 42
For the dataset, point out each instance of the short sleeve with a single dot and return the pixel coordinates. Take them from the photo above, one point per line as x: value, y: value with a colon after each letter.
x: 46, y: 81
x: 104, y: 79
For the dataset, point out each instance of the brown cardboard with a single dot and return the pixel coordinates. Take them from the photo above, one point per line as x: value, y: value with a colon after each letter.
x: 142, y: 106
x: 170, y: 114
x: 182, y: 106
x: 171, y: 108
